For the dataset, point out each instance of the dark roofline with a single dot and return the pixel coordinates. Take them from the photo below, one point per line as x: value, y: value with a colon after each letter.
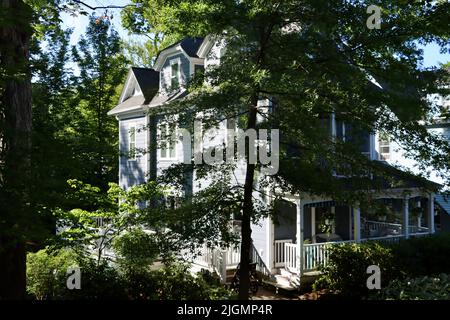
x: 408, y: 177
x: 189, y: 45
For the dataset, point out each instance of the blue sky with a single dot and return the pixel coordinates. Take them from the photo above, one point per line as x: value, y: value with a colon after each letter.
x: 432, y: 57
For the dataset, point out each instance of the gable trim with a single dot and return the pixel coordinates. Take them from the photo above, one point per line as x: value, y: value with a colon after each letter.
x: 127, y: 84
x: 159, y: 63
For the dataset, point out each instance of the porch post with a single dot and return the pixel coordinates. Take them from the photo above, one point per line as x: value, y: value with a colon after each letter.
x: 406, y: 217
x: 270, y: 244
x: 299, y: 258
x: 333, y: 125
x: 313, y: 224
x: 431, y: 213
x: 357, y: 223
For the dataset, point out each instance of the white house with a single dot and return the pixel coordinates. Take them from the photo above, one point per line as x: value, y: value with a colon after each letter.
x: 276, y: 247
x: 394, y: 154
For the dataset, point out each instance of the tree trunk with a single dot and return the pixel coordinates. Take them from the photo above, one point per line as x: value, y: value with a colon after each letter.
x: 247, y: 212
x: 15, y: 117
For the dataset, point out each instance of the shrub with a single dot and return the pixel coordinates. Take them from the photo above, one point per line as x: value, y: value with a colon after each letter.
x: 47, y: 276
x: 136, y: 249
x: 346, y: 273
x: 424, y: 256
x: 46, y: 272
x: 98, y: 281
x: 175, y: 282
x: 424, y: 288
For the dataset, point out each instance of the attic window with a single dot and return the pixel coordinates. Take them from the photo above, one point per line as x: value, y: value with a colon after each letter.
x: 175, y: 75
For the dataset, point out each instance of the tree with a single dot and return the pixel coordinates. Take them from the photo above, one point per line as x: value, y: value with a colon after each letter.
x: 102, y: 69
x: 22, y: 164
x: 313, y: 59
x: 15, y: 139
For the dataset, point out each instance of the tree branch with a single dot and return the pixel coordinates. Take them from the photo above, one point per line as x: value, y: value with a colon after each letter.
x: 104, y: 7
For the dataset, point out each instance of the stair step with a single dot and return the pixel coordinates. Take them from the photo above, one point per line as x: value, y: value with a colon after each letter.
x: 295, y: 281
x: 285, y: 273
x: 282, y: 281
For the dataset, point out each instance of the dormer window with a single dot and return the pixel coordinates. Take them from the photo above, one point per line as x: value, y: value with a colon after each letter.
x: 175, y: 75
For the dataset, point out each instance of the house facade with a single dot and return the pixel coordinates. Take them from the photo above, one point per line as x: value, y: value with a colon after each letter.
x: 394, y: 154
x: 307, y: 225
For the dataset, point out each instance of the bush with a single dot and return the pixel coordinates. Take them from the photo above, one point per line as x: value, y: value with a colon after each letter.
x: 175, y: 282
x: 47, y: 277
x: 46, y: 272
x: 424, y: 288
x: 98, y: 281
x: 418, y: 257
x: 346, y: 273
x: 136, y: 249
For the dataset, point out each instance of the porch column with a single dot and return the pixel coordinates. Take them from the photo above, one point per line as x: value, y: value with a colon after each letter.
x: 270, y: 244
x: 299, y: 258
x: 313, y: 224
x: 406, y: 217
x: 333, y: 125
x: 419, y: 218
x: 357, y: 223
x: 431, y: 213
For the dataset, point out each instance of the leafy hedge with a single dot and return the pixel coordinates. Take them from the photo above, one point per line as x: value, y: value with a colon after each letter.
x: 424, y: 256
x: 346, y: 273
x: 46, y: 279
x: 47, y: 276
x: 418, y: 257
x: 424, y: 288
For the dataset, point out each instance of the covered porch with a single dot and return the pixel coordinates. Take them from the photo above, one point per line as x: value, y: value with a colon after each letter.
x: 311, y: 226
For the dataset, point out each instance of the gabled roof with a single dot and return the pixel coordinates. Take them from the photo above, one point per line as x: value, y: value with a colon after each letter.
x: 132, y: 104
x: 189, y: 46
x: 148, y: 81
x: 159, y: 100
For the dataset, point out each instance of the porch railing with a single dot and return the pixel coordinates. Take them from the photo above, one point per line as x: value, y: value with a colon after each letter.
x: 220, y: 260
x: 377, y: 228
x: 386, y: 239
x: 279, y: 252
x: 290, y: 256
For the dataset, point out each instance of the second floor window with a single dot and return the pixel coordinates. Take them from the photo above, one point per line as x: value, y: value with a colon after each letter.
x: 174, y: 75
x: 167, y: 142
x: 132, y: 143
x: 384, y: 146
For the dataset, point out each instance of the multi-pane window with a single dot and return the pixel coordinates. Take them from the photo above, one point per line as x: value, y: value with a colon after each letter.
x: 132, y: 143
x: 175, y: 76
x: 384, y: 146
x: 167, y: 142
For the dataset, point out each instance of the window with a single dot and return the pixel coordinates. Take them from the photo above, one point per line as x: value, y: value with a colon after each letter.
x: 384, y: 146
x: 132, y: 143
x: 175, y: 75
x: 167, y: 142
